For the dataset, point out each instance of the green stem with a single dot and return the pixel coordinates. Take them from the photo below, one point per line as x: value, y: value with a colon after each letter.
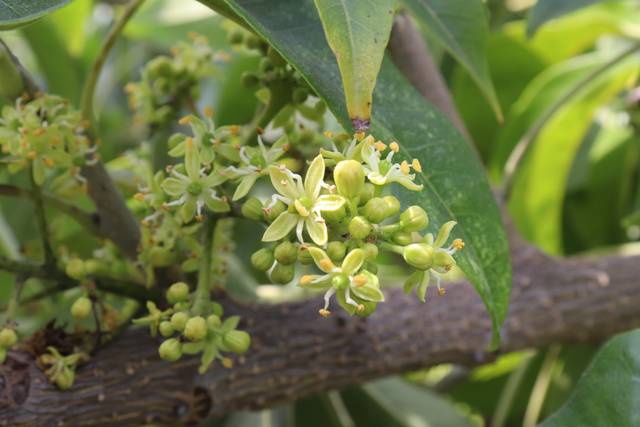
x: 43, y: 226
x: 397, y: 249
x: 202, y: 294
x: 88, y: 92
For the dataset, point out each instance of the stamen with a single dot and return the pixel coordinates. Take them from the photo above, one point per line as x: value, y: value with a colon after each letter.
x: 360, y: 280
x: 185, y: 120
x: 404, y: 167
x: 394, y: 147
x: 328, y: 134
x: 380, y: 146
x: 208, y: 111
x: 359, y: 136
x: 306, y: 279
x: 458, y: 244
x: 416, y: 165
x: 324, y: 312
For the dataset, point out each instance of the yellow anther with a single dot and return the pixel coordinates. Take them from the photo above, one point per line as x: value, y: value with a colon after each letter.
x: 306, y: 279
x: 359, y: 136
x: 441, y: 291
x: 404, y: 167
x: 380, y: 146
x: 234, y: 129
x: 360, y: 308
x: 328, y: 134
x: 360, y: 280
x: 286, y: 147
x: 129, y: 87
x: 324, y: 312
x: 189, y: 142
x: 55, y: 141
x: 185, y: 120
x: 394, y: 147
x: 208, y: 111
x: 48, y: 162
x: 139, y: 197
x: 326, y: 264
x: 284, y: 182
x: 415, y: 163
x: 38, y: 132
x: 227, y: 362
x: 458, y: 244
x: 31, y: 154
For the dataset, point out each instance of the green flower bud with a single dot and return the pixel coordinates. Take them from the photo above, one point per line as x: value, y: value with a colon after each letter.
x: 418, y: 255
x: 170, y: 350
x: 252, y: 209
x: 304, y: 256
x: 65, y: 378
x: 286, y: 253
x: 166, y: 329
x: 334, y: 217
x: 393, y: 205
x: 8, y: 338
x: 236, y: 37
x: 252, y: 41
x: 81, y: 308
x: 177, y: 292
x: 75, y: 269
x: 283, y: 274
x: 336, y: 250
x: 262, y: 259
x: 179, y: 320
x: 213, y: 322
x: 375, y: 210
x: 3, y: 354
x: 340, y: 281
x: 265, y: 65
x: 306, y: 136
x: 359, y: 227
x: 300, y: 95
x: 349, y: 178
x: 370, y: 251
x: 275, y: 211
x: 237, y: 341
x: 414, y: 219
x: 367, y: 193
x: 443, y: 261
x: 158, y: 257
x: 195, y: 329
x: 249, y: 80
x: 402, y: 238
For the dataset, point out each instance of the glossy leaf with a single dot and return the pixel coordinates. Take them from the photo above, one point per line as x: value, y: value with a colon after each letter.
x: 545, y: 10
x: 455, y: 184
x: 393, y: 402
x: 461, y: 26
x: 608, y: 394
x: 358, y: 33
x: 15, y: 13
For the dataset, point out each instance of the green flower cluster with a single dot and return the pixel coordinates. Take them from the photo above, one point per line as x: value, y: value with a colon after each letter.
x: 45, y: 134
x: 59, y: 369
x: 187, y: 332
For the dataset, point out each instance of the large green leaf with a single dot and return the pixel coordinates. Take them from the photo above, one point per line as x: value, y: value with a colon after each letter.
x: 455, y: 183
x: 545, y: 10
x: 461, y: 26
x: 15, y: 13
x: 393, y: 402
x: 358, y: 33
x: 608, y: 394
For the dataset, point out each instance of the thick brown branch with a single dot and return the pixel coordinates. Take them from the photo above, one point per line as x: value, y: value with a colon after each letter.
x: 295, y: 353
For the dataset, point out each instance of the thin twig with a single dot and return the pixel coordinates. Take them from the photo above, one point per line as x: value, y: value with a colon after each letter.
x: 41, y: 218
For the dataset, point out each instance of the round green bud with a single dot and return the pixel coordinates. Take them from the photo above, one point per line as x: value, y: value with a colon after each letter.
x: 419, y: 255
x: 375, y: 210
x: 262, y: 259
x: 81, y: 308
x: 252, y: 209
x: 65, y: 378
x: 283, y: 274
x: 158, y: 257
x: 252, y: 41
x: 181, y: 306
x: 286, y: 253
x: 336, y: 216
x: 237, y: 341
x: 166, y: 329
x: 349, y: 178
x: 236, y: 37
x: 213, y: 322
x: 443, y: 261
x: 367, y: 193
x: 265, y: 65
x: 402, y: 238
x: 179, y: 320
x: 3, y: 354
x: 393, y: 205
x: 306, y: 136
x: 304, y: 256
x: 93, y: 266
x: 8, y: 338
x: 370, y: 251
x: 75, y: 269
x: 340, y: 281
x: 336, y: 250
x: 414, y: 219
x: 359, y: 227
x: 249, y: 80
x: 300, y: 95
x: 170, y: 350
x: 178, y: 292
x: 195, y: 329
x: 275, y: 211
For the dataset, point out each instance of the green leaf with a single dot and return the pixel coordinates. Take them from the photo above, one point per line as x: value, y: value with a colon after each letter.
x: 358, y: 33
x: 455, y: 183
x: 393, y: 402
x: 16, y: 13
x: 545, y: 10
x: 608, y: 394
x: 462, y: 27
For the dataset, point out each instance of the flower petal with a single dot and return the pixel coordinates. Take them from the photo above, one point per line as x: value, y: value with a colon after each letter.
x: 370, y: 291
x: 321, y: 259
x: 317, y: 230
x: 313, y: 179
x: 377, y: 179
x: 216, y: 204
x: 316, y: 282
x: 407, y: 182
x: 283, y: 183
x: 188, y: 210
x: 279, y: 228
x: 174, y: 186
x: 329, y: 202
x: 245, y: 186
x: 353, y: 261
x: 443, y: 234
x: 192, y: 160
